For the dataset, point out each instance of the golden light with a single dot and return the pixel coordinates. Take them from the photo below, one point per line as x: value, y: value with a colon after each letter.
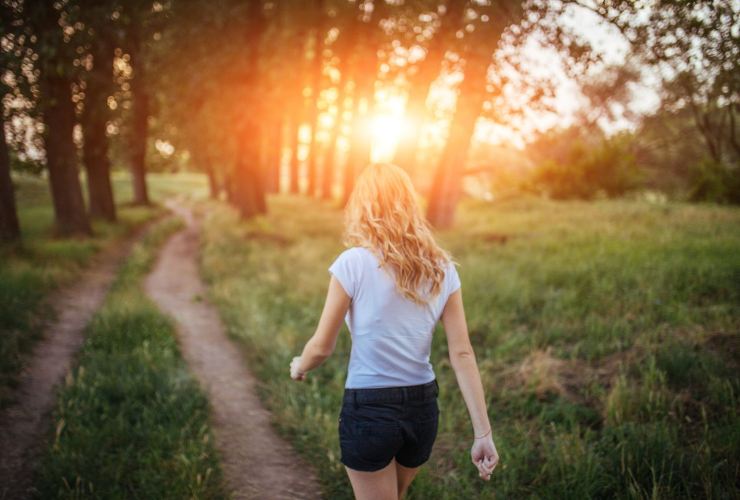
x: 386, y: 131
x: 387, y: 125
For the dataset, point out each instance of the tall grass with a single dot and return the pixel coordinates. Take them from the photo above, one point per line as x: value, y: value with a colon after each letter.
x: 131, y: 422
x: 606, y: 333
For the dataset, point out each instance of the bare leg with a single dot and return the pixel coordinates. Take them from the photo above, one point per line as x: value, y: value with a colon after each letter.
x: 376, y: 485
x: 404, y: 477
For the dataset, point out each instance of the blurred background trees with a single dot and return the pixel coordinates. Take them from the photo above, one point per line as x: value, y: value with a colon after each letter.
x: 567, y: 99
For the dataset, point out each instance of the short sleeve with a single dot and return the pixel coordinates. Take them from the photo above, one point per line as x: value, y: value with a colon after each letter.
x: 453, y: 280
x: 345, y: 270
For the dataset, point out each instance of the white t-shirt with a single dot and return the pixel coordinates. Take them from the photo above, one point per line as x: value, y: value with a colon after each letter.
x: 391, y: 335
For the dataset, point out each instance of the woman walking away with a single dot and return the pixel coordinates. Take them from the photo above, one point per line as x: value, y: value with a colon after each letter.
x: 392, y: 285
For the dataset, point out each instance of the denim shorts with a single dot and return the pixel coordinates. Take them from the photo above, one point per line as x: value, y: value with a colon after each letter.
x: 376, y: 425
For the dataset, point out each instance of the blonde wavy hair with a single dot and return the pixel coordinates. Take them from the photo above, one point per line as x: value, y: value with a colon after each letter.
x: 383, y: 215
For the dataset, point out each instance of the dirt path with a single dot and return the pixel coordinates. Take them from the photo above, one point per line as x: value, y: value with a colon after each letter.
x: 257, y: 463
x: 24, y: 423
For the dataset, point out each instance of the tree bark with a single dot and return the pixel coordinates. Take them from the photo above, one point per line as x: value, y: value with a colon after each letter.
x: 427, y: 71
x: 139, y: 123
x: 94, y: 123
x: 64, y: 182
x: 9, y: 228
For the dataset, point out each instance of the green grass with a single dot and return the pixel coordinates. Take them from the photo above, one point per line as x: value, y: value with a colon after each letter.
x: 29, y: 271
x: 130, y: 421
x: 607, y: 335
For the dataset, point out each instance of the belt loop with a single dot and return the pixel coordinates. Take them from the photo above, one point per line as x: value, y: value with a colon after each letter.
x: 405, y: 393
x: 354, y: 400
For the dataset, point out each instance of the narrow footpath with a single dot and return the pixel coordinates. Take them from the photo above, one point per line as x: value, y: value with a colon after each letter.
x: 24, y: 423
x: 257, y: 463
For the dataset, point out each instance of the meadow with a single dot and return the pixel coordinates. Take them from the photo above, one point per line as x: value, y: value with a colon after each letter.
x: 607, y: 334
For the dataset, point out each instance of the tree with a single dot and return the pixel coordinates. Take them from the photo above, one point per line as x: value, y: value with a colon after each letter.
x: 477, y: 54
x: 694, y: 48
x: 420, y: 79
x: 54, y: 68
x: 9, y: 227
x: 140, y: 21
x: 364, y: 74
x: 317, y: 70
x: 249, y: 194
x: 98, y: 87
x: 140, y: 115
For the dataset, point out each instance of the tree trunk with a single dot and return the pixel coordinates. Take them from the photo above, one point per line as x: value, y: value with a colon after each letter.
x: 249, y: 193
x: 427, y: 71
x: 249, y: 190
x: 139, y: 123
x: 274, y: 156
x: 228, y: 182
x: 316, y: 72
x: 64, y: 182
x: 294, y: 131
x: 365, y: 69
x: 327, y: 178
x: 361, y: 145
x: 94, y: 123
x: 446, y: 185
x: 213, y: 187
x: 9, y: 228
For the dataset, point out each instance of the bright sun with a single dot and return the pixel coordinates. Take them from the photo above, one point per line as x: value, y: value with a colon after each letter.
x: 387, y: 125
x: 386, y: 131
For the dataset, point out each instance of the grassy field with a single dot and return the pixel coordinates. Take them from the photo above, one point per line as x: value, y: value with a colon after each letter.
x: 607, y: 334
x: 41, y: 263
x: 131, y: 422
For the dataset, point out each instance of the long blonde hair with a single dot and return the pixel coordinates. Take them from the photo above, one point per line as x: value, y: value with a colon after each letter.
x: 382, y: 215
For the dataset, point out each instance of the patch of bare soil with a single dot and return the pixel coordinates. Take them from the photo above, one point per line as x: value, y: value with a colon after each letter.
x: 24, y: 422
x: 549, y: 375
x: 256, y: 462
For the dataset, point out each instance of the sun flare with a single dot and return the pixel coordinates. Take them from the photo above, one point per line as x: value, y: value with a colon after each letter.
x: 387, y: 125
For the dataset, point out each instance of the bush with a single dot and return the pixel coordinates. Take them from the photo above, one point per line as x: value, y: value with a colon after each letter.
x: 713, y: 181
x: 604, y: 170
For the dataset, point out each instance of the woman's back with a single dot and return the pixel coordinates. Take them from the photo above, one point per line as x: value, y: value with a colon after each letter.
x: 391, y: 335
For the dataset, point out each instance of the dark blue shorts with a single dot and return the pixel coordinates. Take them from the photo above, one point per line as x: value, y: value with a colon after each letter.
x: 376, y: 425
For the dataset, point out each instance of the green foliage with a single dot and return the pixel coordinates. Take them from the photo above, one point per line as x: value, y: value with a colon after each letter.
x: 587, y: 171
x: 598, y: 329
x: 714, y: 181
x: 131, y: 421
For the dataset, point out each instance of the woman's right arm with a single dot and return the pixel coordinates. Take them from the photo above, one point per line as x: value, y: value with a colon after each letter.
x: 462, y: 358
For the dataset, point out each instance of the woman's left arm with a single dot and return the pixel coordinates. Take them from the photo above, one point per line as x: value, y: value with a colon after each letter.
x: 321, y: 345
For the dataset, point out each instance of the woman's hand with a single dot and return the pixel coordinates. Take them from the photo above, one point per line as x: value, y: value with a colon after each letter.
x: 484, y: 456
x: 294, y: 373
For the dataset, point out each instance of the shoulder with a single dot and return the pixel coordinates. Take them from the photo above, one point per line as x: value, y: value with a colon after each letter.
x: 351, y: 253
x: 350, y: 257
x: 451, y: 276
x: 359, y: 254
